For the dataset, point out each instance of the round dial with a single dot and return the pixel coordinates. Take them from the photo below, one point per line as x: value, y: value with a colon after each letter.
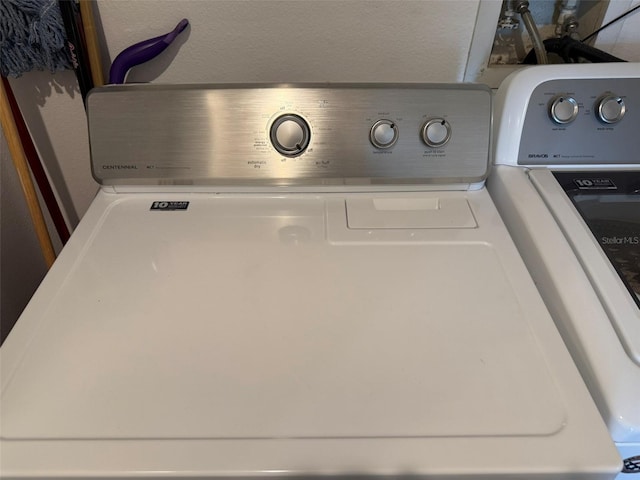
x: 563, y: 109
x: 436, y: 132
x: 290, y: 135
x: 610, y: 108
x: 384, y: 134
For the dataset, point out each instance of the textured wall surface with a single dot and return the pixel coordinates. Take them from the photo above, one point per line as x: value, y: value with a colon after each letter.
x: 294, y: 41
x: 621, y: 39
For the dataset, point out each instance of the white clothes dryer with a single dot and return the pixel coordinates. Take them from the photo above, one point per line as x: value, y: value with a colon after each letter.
x: 293, y: 281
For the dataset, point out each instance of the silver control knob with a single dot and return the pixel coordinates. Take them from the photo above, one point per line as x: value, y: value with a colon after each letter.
x: 384, y: 134
x: 290, y: 135
x: 610, y: 108
x: 436, y: 132
x: 563, y: 109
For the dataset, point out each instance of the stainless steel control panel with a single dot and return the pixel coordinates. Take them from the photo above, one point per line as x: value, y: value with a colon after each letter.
x: 290, y: 135
x: 582, y: 121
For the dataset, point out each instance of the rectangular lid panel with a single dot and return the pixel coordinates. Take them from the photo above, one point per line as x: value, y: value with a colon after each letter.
x: 238, y: 318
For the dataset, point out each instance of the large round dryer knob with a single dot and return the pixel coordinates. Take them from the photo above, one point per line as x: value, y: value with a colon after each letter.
x: 290, y: 135
x: 436, y: 132
x: 610, y: 108
x: 563, y: 109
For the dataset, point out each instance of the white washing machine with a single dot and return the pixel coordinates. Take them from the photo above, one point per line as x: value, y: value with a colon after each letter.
x: 567, y: 183
x: 293, y: 281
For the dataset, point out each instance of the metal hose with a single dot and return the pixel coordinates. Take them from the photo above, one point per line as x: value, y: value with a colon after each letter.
x: 541, y: 54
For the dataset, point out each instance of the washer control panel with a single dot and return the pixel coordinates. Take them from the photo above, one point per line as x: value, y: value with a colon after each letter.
x: 290, y: 135
x: 582, y: 122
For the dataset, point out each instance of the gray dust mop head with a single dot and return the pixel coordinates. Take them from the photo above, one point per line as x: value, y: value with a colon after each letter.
x: 32, y: 36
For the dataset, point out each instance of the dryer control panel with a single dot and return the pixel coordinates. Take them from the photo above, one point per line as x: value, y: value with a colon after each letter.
x: 354, y: 134
x: 582, y: 122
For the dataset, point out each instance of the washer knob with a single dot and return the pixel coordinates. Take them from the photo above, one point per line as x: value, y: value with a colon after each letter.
x: 563, y: 109
x: 436, y: 132
x: 384, y: 134
x: 610, y: 108
x: 290, y: 135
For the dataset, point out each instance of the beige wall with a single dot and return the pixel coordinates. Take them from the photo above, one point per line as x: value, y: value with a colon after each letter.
x: 621, y: 39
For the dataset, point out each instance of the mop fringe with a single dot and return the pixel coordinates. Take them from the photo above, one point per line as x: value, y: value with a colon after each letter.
x: 32, y: 36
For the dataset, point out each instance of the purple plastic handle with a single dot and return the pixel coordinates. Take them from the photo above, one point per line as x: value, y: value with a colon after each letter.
x: 142, y: 52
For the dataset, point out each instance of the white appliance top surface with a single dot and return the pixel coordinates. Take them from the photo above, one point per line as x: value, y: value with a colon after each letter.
x: 293, y: 318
